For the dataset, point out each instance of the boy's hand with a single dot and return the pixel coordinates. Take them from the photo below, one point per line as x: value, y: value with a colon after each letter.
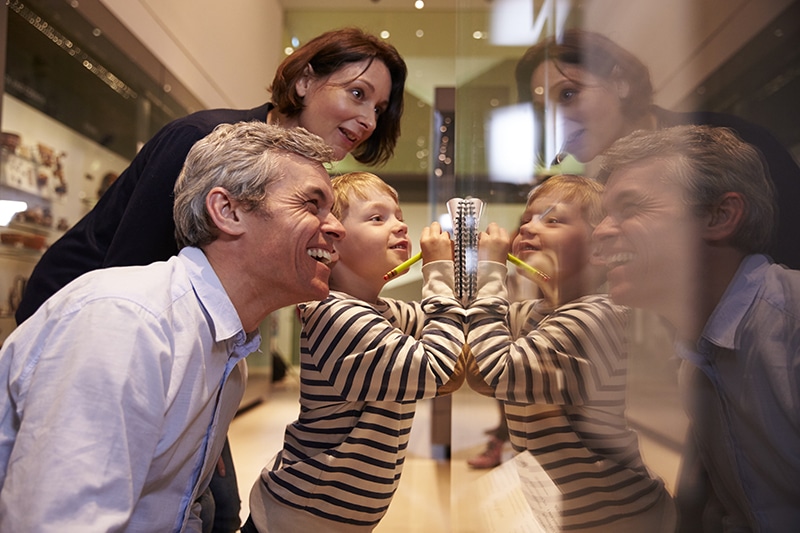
x: 435, y: 244
x: 494, y: 244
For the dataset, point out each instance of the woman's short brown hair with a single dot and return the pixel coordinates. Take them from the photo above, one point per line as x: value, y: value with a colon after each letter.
x: 326, y: 54
x: 594, y: 53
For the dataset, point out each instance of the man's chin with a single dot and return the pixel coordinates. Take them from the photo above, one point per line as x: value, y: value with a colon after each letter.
x: 621, y: 294
x: 318, y: 288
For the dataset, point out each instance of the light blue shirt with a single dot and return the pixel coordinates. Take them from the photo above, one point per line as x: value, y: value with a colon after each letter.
x: 116, y: 398
x: 741, y: 385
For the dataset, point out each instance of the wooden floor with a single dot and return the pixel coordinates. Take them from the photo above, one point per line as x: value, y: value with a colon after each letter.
x: 435, y: 494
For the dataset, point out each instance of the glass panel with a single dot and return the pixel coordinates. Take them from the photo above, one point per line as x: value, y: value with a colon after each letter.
x: 467, y: 132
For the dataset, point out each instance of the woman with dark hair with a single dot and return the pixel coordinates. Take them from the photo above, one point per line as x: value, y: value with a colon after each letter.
x: 600, y: 92
x: 323, y: 58
x: 345, y: 86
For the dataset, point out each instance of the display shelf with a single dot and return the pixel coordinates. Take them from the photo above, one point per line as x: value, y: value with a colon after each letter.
x: 20, y: 253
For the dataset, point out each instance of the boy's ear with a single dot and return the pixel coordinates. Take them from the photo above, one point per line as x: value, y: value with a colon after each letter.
x: 304, y: 82
x: 225, y: 212
x: 725, y: 217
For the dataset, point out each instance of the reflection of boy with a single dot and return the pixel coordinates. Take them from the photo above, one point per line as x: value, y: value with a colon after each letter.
x: 559, y: 363
x: 365, y: 361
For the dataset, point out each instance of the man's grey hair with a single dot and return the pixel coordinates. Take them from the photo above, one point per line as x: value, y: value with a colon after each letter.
x: 243, y: 159
x: 706, y: 162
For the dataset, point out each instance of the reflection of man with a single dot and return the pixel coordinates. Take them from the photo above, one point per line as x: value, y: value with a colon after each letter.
x: 689, y: 212
x: 120, y: 389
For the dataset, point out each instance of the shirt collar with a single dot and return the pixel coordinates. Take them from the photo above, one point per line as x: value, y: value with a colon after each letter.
x: 738, y: 298
x: 209, y: 290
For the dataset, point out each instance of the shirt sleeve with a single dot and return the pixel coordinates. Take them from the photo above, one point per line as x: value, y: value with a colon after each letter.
x: 87, y: 415
x: 574, y: 356
x: 365, y: 357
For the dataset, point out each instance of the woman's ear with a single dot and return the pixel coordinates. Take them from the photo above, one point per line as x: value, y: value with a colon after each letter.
x: 725, y: 217
x: 224, y: 211
x: 303, y: 84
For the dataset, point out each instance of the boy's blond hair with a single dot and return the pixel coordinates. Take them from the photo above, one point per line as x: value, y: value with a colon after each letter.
x: 357, y: 185
x: 581, y: 191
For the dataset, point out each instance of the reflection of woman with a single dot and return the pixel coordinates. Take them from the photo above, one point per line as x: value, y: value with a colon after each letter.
x: 601, y: 92
x: 345, y: 86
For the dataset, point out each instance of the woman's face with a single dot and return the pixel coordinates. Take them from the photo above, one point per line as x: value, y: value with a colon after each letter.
x: 343, y: 108
x: 588, y: 108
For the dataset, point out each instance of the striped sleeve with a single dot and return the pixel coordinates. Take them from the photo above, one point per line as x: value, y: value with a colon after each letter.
x: 396, y: 351
x: 575, y: 355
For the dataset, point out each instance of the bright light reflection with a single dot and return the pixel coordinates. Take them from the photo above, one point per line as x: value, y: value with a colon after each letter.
x: 9, y: 208
x: 510, y: 144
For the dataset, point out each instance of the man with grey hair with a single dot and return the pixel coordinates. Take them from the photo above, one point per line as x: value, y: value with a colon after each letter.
x: 119, y: 390
x: 690, y: 211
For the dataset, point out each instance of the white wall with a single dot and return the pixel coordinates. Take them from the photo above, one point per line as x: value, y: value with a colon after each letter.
x: 226, y: 53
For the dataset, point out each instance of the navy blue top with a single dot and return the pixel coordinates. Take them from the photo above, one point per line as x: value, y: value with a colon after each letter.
x: 132, y: 222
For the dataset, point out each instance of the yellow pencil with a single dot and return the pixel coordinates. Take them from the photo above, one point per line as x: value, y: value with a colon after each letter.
x: 402, y: 267
x: 520, y: 263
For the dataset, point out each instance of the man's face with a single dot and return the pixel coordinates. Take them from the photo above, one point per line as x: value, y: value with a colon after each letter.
x: 292, y: 237
x: 649, y: 239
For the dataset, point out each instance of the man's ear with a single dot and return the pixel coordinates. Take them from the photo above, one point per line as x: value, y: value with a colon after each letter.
x: 621, y: 85
x: 225, y: 212
x: 304, y: 83
x: 725, y: 217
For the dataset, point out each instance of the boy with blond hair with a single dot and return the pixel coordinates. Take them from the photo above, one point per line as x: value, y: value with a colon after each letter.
x: 559, y: 364
x: 365, y: 362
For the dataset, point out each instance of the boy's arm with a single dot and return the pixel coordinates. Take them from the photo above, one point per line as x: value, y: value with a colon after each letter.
x: 365, y: 357
x: 575, y: 356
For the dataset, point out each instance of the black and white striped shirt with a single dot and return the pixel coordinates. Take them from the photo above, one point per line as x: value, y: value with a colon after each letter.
x: 562, y: 375
x: 363, y: 367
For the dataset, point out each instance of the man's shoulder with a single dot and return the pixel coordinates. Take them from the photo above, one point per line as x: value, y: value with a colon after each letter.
x: 152, y: 287
x: 782, y: 287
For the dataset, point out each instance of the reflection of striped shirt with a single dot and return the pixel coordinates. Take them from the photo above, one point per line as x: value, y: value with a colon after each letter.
x: 363, y: 366
x: 562, y: 374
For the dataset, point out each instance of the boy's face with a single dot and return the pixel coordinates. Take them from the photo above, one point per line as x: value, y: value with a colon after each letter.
x: 377, y: 238
x: 554, y: 238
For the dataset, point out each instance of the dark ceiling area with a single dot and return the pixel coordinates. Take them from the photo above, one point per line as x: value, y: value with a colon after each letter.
x: 60, y: 64
x: 761, y: 82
